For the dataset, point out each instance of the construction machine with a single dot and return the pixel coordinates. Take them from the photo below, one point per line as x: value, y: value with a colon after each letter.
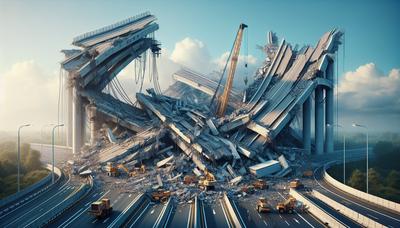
x: 260, y: 184
x: 286, y: 206
x: 207, y: 182
x: 111, y: 170
x: 101, y: 209
x: 160, y: 195
x: 262, y: 205
x: 296, y: 184
x: 223, y: 100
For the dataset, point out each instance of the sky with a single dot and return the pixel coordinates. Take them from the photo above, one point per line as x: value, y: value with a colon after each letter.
x: 198, y: 34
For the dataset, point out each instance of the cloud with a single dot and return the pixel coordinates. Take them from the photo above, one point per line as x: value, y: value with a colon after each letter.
x: 192, y: 53
x: 28, y: 94
x: 369, y: 90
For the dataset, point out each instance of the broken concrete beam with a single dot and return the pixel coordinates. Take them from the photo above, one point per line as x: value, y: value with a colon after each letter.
x: 111, y: 136
x: 265, y: 168
x: 197, y: 172
x: 159, y: 181
x: 164, y: 161
x: 235, y: 123
x: 231, y: 171
x: 246, y: 152
x: 232, y: 148
x: 283, y: 162
x: 236, y: 180
x: 212, y: 127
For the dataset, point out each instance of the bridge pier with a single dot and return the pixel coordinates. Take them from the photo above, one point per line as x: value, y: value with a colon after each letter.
x: 69, y: 92
x: 329, y: 110
x: 94, y: 123
x: 77, y: 122
x: 319, y: 120
x: 307, y: 125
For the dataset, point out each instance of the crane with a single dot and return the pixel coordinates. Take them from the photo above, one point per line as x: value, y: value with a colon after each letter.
x: 223, y: 101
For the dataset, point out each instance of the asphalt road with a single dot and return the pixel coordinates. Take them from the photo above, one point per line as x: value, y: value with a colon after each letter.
x: 215, y: 215
x: 369, y: 210
x: 147, y: 217
x: 78, y: 216
x: 180, y: 216
x: 29, y: 211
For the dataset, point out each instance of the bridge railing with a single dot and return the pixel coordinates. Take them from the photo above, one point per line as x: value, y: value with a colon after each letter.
x: 360, y: 194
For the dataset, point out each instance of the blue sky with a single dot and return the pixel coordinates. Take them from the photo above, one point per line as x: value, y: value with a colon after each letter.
x: 34, y: 32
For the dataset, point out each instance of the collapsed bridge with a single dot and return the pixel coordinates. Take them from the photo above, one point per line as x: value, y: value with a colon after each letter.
x: 258, y: 122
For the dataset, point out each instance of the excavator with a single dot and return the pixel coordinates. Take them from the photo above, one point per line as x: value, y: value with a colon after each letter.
x: 136, y: 170
x: 223, y: 100
x: 207, y: 182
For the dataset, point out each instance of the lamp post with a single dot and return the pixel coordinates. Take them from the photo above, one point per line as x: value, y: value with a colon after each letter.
x: 19, y: 155
x: 366, y: 129
x: 52, y: 143
x: 344, y: 150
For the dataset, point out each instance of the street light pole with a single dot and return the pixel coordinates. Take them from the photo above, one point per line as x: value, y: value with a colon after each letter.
x: 19, y: 155
x: 344, y: 151
x: 366, y: 129
x: 52, y: 143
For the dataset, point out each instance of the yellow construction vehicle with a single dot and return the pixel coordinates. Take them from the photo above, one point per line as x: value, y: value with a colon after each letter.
x: 262, y: 205
x: 112, y: 171
x: 287, y: 206
x: 260, y: 184
x: 160, y: 195
x: 296, y: 184
x: 101, y: 209
x: 207, y: 182
x: 138, y: 170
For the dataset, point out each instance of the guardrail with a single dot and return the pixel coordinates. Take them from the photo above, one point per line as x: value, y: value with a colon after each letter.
x: 359, y: 218
x: 316, y: 210
x: 360, y: 194
x: 46, y: 180
x: 234, y: 217
x: 195, y: 219
x: 64, y: 205
x: 123, y: 217
x: 165, y: 214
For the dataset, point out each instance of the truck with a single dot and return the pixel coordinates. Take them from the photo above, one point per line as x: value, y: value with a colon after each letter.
x: 160, y: 195
x: 262, y: 205
x: 112, y: 170
x: 286, y: 206
x: 101, y: 209
x: 260, y: 184
x: 296, y: 184
x: 207, y: 182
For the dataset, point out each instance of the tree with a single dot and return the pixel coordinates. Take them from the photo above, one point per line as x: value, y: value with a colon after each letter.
x: 357, y: 180
x: 393, y: 179
x: 375, y: 182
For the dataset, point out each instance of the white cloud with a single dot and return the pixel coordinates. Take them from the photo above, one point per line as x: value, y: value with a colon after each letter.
x: 368, y: 90
x: 193, y: 54
x: 27, y: 94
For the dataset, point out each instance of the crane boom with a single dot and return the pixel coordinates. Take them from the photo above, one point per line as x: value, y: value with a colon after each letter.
x: 223, y: 101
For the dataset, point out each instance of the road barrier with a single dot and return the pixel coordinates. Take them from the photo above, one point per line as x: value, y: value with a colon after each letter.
x: 195, y: 214
x: 34, y: 187
x: 318, y: 212
x: 63, y: 206
x: 359, y: 218
x: 360, y: 194
x: 165, y: 214
x: 231, y: 212
x: 132, y: 207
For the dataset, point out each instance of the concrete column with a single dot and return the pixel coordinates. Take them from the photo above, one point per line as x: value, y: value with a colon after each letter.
x: 77, y: 122
x: 94, y: 123
x: 319, y: 120
x: 307, y: 125
x: 69, y: 93
x: 329, y: 111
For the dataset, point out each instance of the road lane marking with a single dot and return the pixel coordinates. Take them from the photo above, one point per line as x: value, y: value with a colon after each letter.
x: 372, y: 216
x: 281, y: 216
x: 152, y: 211
x: 287, y: 223
x: 134, y: 222
x: 296, y: 220
x: 266, y: 224
x: 130, y: 195
x: 105, y: 220
x: 94, y: 221
x: 71, y: 217
x: 214, y: 212
x: 259, y: 215
x: 87, y: 204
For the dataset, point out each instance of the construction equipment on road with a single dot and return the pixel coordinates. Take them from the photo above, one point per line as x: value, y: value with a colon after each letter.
x: 207, y: 182
x: 296, y: 184
x: 262, y: 205
x: 160, y: 195
x: 287, y: 206
x: 101, y: 209
x: 111, y: 170
x: 260, y: 184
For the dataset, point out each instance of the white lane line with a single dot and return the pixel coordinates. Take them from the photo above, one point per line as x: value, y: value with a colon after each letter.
x: 190, y: 213
x: 95, y: 195
x: 105, y: 220
x: 71, y: 216
x: 134, y: 222
x: 70, y: 220
x: 287, y: 223
x: 259, y: 215
x: 296, y: 221
x: 214, y: 212
x: 372, y: 216
x: 351, y: 200
x: 87, y: 204
x: 130, y: 195
x: 281, y: 216
x: 94, y: 221
x: 152, y: 211
x: 266, y: 224
x: 223, y: 210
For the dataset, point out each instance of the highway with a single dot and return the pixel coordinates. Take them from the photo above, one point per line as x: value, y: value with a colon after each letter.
x: 215, y: 215
x: 370, y: 210
x: 147, y: 217
x: 27, y: 212
x: 78, y: 216
x: 180, y: 216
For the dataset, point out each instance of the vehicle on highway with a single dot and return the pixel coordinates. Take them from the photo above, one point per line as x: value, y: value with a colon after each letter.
x: 101, y: 209
x: 262, y: 205
x: 160, y: 195
x: 286, y: 206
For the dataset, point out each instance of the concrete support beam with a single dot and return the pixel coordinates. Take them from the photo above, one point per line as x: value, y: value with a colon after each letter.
x: 94, y: 123
x: 319, y: 120
x: 77, y: 122
x: 307, y: 125
x: 329, y: 111
x: 69, y: 93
